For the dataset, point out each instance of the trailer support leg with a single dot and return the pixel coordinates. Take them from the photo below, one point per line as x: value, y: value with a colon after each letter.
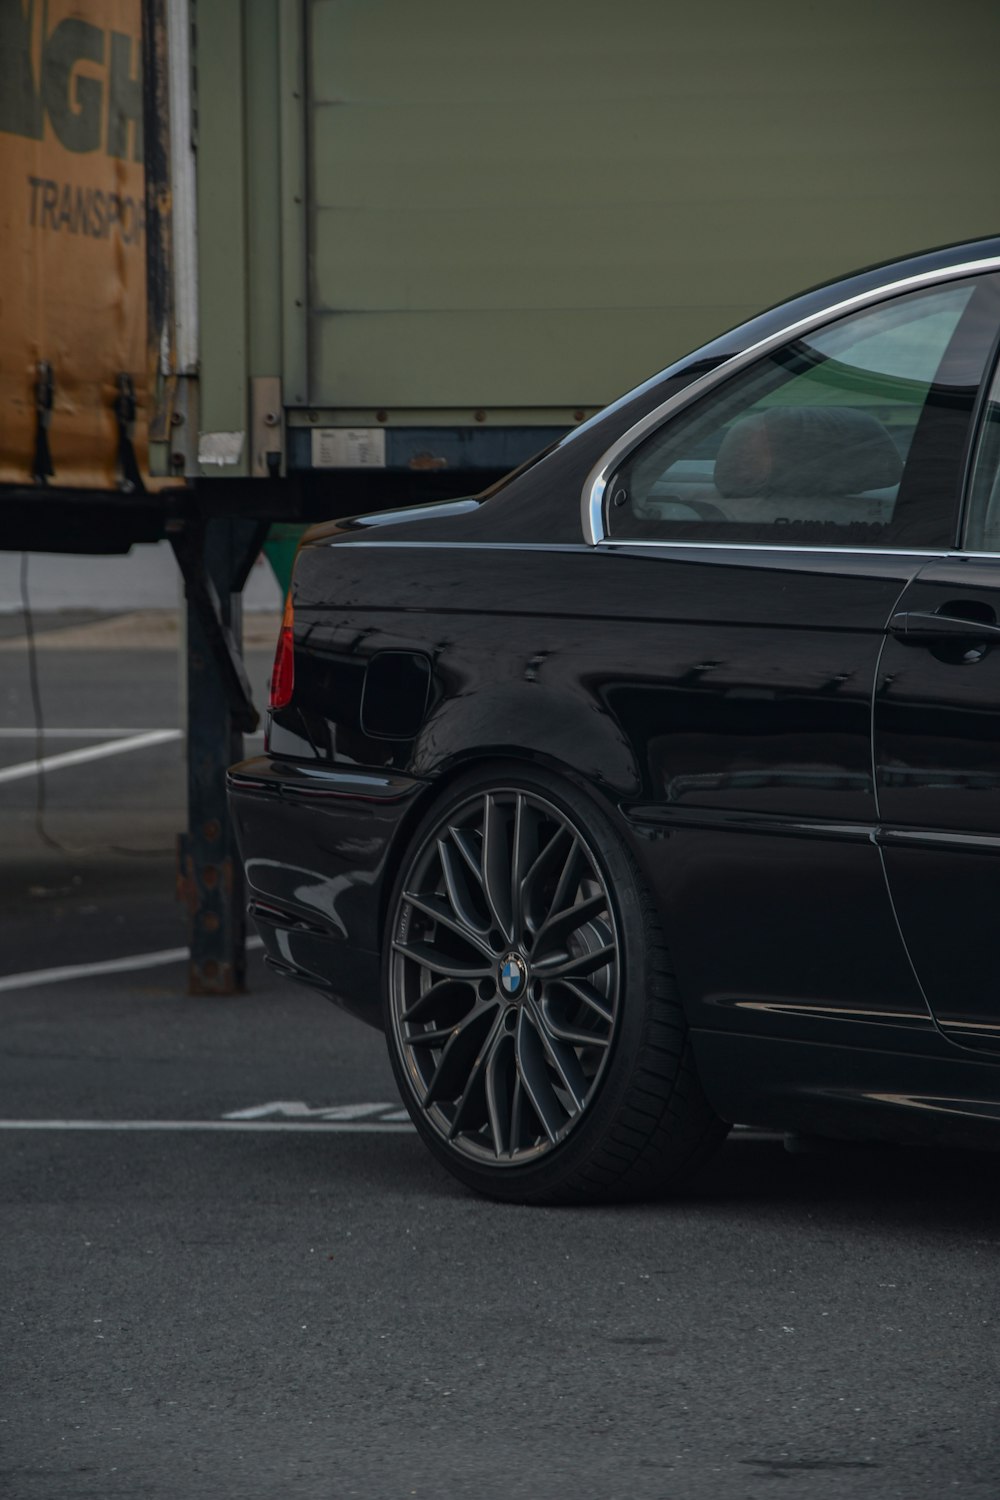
x: 215, y: 558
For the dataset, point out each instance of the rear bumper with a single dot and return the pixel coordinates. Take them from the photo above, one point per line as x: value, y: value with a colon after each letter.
x: 317, y: 847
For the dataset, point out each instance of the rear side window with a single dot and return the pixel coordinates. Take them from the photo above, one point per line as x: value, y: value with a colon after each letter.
x: 983, y: 525
x: 853, y: 435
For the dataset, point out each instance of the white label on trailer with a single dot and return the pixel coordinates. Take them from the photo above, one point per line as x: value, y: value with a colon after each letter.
x: 348, y: 447
x: 220, y: 447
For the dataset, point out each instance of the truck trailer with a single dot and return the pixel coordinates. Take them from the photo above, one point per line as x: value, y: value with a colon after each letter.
x: 273, y: 261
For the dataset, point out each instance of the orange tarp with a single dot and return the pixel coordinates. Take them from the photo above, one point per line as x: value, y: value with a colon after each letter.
x: 72, y: 232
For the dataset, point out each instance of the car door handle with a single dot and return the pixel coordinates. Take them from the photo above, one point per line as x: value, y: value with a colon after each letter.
x: 918, y: 627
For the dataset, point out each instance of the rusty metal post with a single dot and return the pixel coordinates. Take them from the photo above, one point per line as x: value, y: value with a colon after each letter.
x: 210, y: 877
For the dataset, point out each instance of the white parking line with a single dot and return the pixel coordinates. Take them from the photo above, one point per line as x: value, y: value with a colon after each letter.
x: 277, y: 1127
x: 335, y: 1127
x: 95, y: 752
x: 31, y: 977
x: 21, y: 732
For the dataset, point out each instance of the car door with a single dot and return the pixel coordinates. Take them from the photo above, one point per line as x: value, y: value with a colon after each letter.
x: 765, y: 533
x: 937, y: 752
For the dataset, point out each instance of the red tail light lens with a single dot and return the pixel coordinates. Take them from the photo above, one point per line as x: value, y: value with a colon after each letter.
x: 283, y: 671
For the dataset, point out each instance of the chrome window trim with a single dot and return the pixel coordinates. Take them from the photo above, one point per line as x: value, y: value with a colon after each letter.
x: 592, y: 499
x: 460, y: 546
x: 609, y: 543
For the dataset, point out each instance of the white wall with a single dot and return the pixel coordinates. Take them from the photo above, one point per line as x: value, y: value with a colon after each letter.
x: 147, y: 578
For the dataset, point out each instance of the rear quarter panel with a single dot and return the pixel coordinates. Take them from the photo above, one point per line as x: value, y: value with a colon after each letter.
x: 720, y: 712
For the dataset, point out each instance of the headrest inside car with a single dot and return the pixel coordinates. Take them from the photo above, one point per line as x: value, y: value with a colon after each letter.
x: 806, y: 450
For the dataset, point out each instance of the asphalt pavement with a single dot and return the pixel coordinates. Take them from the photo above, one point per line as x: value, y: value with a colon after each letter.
x: 231, y: 1270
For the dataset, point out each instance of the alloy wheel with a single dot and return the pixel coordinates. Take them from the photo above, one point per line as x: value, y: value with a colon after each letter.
x: 504, y: 976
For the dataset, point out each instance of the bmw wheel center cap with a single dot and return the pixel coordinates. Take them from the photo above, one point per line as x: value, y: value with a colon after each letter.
x: 513, y: 976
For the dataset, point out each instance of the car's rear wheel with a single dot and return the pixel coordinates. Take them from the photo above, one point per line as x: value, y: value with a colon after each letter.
x: 532, y: 1017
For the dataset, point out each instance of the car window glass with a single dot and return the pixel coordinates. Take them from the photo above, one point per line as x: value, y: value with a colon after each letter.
x: 983, y: 525
x: 852, y: 435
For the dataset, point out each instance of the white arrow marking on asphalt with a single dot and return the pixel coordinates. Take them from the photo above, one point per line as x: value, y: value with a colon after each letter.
x: 295, y: 1109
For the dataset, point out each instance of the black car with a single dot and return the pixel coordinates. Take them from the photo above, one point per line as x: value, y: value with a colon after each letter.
x: 659, y: 786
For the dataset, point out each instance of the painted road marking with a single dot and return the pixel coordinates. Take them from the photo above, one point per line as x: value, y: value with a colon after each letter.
x: 278, y: 1127
x: 63, y: 733
x: 31, y: 977
x: 95, y: 752
x: 295, y: 1109
x: 386, y: 1125
x: 21, y: 733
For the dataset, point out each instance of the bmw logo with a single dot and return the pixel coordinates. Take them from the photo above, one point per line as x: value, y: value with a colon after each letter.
x: 513, y: 975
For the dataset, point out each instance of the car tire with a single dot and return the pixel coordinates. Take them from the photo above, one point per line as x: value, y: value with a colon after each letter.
x: 531, y: 1012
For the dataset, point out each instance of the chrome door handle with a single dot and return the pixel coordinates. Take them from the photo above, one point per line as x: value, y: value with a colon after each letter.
x: 919, y: 628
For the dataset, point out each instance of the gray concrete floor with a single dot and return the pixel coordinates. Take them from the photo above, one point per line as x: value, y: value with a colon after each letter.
x: 192, y: 1311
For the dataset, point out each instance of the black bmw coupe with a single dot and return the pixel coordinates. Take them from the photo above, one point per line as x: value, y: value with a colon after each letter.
x: 659, y: 786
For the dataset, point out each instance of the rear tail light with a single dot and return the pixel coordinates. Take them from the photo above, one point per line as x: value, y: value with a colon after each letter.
x: 283, y: 671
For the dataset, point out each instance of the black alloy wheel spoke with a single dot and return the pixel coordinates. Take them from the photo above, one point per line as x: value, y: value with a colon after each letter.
x: 458, y: 890
x: 440, y: 911
x: 586, y: 993
x: 500, y: 1070
x: 556, y: 929
x: 577, y: 1036
x: 470, y: 850
x: 516, y: 1114
x: 437, y: 1036
x: 543, y: 865
x: 444, y: 963
x: 448, y: 1000
x: 568, y: 880
x: 496, y: 866
x: 460, y: 1059
x: 563, y: 1059
x: 576, y: 965
x: 524, y: 824
x: 504, y: 977
x: 535, y: 1076
x: 475, y: 1089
